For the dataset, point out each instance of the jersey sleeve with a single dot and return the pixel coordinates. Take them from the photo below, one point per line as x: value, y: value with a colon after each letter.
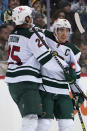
x: 78, y: 56
x: 74, y: 60
x: 74, y: 56
x: 75, y: 50
x: 39, y: 50
x: 73, y: 87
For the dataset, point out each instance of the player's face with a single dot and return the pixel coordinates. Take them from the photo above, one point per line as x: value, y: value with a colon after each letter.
x: 63, y: 34
x: 37, y: 6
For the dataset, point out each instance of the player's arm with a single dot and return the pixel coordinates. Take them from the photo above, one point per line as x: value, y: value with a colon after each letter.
x: 77, y: 98
x: 76, y: 51
x: 43, y: 55
x: 40, y: 52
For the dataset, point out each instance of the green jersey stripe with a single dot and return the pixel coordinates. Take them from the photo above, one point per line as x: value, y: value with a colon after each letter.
x: 78, y: 73
x: 78, y: 76
x: 22, y: 67
x: 54, y: 84
x: 22, y: 73
x: 52, y: 79
x: 42, y: 55
x: 49, y: 35
x: 45, y: 59
x: 73, y: 47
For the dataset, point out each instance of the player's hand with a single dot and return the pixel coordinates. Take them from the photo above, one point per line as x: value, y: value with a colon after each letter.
x: 77, y: 100
x: 70, y: 74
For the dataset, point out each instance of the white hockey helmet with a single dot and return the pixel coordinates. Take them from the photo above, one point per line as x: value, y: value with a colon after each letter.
x: 19, y: 13
x: 60, y: 23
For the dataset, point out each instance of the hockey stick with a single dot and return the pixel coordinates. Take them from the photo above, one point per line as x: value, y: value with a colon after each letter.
x: 79, y: 113
x: 78, y: 23
x: 82, y: 30
x: 57, y: 60
x: 81, y: 120
x: 82, y: 93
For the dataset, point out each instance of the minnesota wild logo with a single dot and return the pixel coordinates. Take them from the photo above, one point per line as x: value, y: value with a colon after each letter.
x: 55, y: 53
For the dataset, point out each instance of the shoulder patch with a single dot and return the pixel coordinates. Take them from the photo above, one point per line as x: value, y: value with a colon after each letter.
x: 73, y: 47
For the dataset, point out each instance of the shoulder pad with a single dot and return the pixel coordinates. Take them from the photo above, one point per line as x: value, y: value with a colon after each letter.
x: 73, y: 47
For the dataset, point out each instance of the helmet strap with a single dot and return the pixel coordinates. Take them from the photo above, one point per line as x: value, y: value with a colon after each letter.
x: 55, y: 35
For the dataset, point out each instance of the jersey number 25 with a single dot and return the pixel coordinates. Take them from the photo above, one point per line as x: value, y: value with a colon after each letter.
x: 14, y: 57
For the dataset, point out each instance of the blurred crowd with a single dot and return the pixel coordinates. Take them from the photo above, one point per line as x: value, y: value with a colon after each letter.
x: 58, y: 9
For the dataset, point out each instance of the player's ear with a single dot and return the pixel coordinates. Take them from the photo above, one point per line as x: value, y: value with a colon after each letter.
x: 55, y: 34
x: 28, y: 19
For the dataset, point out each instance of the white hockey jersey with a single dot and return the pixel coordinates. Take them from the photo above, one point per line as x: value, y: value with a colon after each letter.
x: 69, y: 55
x: 26, y: 55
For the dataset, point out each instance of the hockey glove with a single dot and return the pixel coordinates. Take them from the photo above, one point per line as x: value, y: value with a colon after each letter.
x: 70, y: 75
x: 77, y: 100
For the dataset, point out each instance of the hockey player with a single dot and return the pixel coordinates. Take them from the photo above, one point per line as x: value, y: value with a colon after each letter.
x: 55, y: 94
x: 23, y: 75
x: 26, y: 56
